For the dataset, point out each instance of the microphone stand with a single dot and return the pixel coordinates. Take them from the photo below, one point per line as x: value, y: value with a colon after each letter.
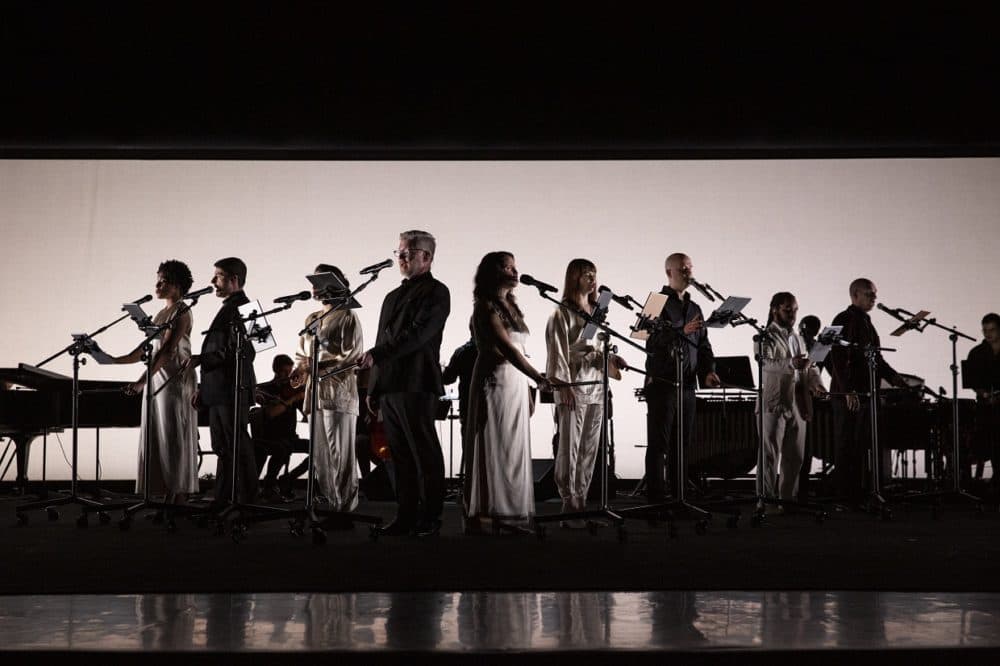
x: 309, y: 516
x: 605, y: 511
x: 74, y: 349
x: 152, y: 332
x: 956, y: 491
x: 241, y: 514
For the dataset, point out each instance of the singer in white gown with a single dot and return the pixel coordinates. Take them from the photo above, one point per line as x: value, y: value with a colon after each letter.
x: 172, y: 422
x: 498, y: 482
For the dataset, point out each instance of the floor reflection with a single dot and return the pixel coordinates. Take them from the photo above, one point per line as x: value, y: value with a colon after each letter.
x: 466, y: 621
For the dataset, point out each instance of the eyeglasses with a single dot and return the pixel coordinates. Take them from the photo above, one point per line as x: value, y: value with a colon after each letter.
x: 406, y: 254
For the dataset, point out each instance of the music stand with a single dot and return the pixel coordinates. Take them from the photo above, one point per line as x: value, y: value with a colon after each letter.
x: 919, y: 322
x: 309, y: 516
x: 80, y: 345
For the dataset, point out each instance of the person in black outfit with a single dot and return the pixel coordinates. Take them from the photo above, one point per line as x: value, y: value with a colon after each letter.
x: 809, y: 328
x: 459, y: 369
x: 219, y: 382
x: 983, y: 367
x: 687, y: 326
x: 405, y: 385
x: 272, y: 425
x: 848, y: 368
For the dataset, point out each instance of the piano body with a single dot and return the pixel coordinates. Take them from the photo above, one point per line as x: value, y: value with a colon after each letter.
x: 47, y: 407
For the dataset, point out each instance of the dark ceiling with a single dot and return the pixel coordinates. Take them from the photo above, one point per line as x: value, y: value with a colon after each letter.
x: 311, y: 81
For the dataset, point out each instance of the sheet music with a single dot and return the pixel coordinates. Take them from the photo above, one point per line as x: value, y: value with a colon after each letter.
x: 820, y: 350
x: 590, y: 330
x: 257, y: 329
x: 723, y: 314
x: 652, y: 309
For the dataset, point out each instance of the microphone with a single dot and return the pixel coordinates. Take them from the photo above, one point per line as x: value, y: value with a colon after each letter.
x: 374, y: 268
x: 301, y: 296
x: 145, y: 299
x: 201, y: 292
x: 891, y: 311
x: 532, y: 282
x: 701, y: 288
x: 620, y: 300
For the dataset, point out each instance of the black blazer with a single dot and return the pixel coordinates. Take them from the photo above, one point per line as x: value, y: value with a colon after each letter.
x: 218, y: 356
x: 407, y: 349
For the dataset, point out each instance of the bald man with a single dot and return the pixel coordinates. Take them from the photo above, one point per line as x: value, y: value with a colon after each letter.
x: 685, y: 320
x: 848, y: 368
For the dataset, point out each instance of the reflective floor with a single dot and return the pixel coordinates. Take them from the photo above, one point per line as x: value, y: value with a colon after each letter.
x: 465, y: 622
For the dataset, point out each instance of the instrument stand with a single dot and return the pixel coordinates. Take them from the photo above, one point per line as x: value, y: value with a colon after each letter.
x: 167, y: 510
x: 78, y: 347
x: 678, y: 505
x: 594, y: 517
x: 956, y: 491
x: 239, y: 514
x: 310, y: 517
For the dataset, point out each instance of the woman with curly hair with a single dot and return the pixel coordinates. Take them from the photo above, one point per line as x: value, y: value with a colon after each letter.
x: 173, y: 424
x: 498, y: 483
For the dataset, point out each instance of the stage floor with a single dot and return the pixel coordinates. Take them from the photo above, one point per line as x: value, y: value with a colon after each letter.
x: 482, y: 623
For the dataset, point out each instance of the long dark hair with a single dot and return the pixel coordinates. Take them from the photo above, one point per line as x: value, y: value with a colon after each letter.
x: 777, y: 300
x: 486, y: 289
x: 574, y: 270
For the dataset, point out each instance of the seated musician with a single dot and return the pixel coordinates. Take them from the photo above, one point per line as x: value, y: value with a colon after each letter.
x: 273, y: 425
x: 983, y: 367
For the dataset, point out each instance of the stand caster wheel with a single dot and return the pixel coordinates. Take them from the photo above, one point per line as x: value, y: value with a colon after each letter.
x: 821, y: 517
x: 295, y: 528
x: 318, y: 537
x: 52, y: 514
x: 22, y: 519
x: 757, y: 520
x: 886, y: 514
x: 671, y: 531
x: 540, y: 532
x: 82, y: 521
x: 171, y: 526
x: 373, y: 532
x: 733, y: 522
x: 125, y: 524
x: 238, y: 532
x: 701, y: 527
x: 622, y: 534
x: 103, y: 517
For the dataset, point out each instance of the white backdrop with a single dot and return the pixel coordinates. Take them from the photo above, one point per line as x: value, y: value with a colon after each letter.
x: 81, y: 237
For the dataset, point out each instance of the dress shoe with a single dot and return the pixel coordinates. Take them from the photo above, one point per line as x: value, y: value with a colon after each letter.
x: 395, y: 528
x: 427, y: 528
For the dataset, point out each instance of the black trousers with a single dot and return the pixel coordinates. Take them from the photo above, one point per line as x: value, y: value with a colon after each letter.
x: 852, y: 435
x: 220, y: 423
x: 661, y: 439
x: 416, y: 454
x: 280, y: 450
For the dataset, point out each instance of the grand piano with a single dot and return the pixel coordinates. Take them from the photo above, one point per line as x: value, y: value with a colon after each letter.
x: 47, y: 407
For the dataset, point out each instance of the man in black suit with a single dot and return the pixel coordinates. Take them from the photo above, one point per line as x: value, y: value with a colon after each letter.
x: 406, y: 384
x: 218, y: 384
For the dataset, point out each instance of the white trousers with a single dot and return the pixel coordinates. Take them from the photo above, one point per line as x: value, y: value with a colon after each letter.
x: 784, y: 438
x: 579, y: 440
x: 335, y: 466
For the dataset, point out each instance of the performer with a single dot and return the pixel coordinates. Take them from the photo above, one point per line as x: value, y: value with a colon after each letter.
x: 685, y: 322
x: 789, y: 381
x: 809, y: 328
x: 983, y: 366
x: 498, y: 479
x: 273, y: 424
x: 848, y: 368
x: 578, y: 408
x: 459, y: 368
x: 173, y: 425
x: 340, y: 344
x: 219, y: 384
x: 405, y: 384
